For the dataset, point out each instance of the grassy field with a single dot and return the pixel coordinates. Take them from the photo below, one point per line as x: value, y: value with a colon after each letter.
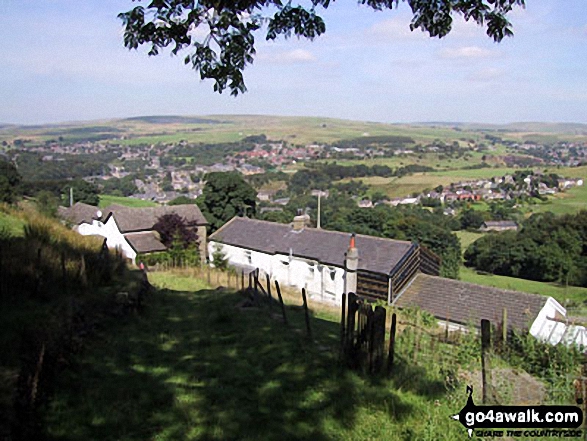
x: 467, y: 238
x: 195, y: 366
x: 575, y: 294
x: 106, y: 200
x: 569, y: 202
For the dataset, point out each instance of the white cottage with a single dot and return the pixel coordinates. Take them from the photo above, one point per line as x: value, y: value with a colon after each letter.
x: 325, y: 263
x: 130, y: 230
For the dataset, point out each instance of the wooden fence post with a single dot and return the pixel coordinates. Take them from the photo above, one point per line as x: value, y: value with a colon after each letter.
x: 417, y: 336
x: 242, y: 280
x: 306, y: 313
x: 209, y: 281
x: 485, y: 345
x: 350, y: 328
x: 342, y: 328
x: 269, y: 291
x: 281, y: 302
x: 504, y: 328
x: 391, y: 343
x: 379, y: 319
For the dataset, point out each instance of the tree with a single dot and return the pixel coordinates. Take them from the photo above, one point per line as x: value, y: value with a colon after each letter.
x: 9, y: 181
x: 182, y: 200
x: 224, y: 196
x: 173, y: 229
x: 228, y: 43
x: 83, y: 191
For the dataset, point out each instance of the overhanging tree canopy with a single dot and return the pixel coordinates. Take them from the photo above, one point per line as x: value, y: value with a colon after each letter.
x: 219, y: 34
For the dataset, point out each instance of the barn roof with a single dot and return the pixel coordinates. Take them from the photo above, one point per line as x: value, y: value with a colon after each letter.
x: 467, y: 303
x: 376, y: 254
x: 79, y: 213
x: 146, y: 242
x: 143, y: 219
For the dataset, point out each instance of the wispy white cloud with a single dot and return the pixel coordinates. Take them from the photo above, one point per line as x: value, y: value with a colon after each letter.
x: 394, y: 29
x: 466, y: 52
x: 295, y: 56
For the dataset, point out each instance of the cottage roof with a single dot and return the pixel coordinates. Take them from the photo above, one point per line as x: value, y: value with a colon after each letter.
x: 376, y: 254
x: 501, y: 224
x: 465, y: 303
x: 142, y: 219
x: 146, y: 242
x: 79, y: 213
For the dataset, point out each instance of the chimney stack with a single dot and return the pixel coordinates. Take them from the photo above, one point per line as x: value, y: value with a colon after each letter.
x: 300, y: 221
x: 351, y: 264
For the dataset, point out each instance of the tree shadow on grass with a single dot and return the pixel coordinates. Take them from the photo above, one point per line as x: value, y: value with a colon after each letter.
x: 193, y: 366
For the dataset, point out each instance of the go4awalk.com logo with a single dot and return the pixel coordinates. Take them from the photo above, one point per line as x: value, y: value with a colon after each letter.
x: 526, y: 421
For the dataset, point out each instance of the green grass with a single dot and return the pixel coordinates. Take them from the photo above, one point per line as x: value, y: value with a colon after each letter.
x: 106, y: 200
x: 569, y: 202
x: 467, y: 238
x: 12, y: 225
x: 194, y: 366
x: 575, y: 294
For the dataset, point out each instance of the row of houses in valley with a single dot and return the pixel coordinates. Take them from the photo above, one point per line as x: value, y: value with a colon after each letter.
x: 330, y: 263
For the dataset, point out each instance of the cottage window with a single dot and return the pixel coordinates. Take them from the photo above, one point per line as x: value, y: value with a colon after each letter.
x: 332, y: 273
x: 311, y: 268
x: 249, y: 256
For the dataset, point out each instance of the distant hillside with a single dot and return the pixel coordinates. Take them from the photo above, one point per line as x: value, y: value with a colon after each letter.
x: 292, y: 129
x: 524, y: 127
x: 171, y: 119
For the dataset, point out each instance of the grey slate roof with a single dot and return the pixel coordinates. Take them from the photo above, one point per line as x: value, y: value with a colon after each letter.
x: 376, y: 254
x: 146, y: 242
x: 467, y: 303
x: 142, y: 219
x: 501, y: 224
x: 79, y: 213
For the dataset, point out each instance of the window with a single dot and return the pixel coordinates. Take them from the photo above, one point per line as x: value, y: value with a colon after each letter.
x: 332, y: 273
x: 249, y: 256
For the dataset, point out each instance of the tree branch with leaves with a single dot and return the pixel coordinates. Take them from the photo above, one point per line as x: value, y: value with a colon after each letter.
x: 219, y: 36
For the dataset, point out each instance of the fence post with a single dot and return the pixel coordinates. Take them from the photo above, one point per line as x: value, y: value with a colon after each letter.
x: 417, y: 336
x: 306, y: 313
x: 391, y: 343
x: 350, y: 328
x: 485, y: 344
x: 504, y: 326
x: 269, y: 291
x: 209, y: 281
x: 242, y: 280
x: 281, y: 302
x: 342, y: 328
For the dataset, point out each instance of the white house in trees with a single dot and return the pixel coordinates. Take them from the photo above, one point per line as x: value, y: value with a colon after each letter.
x: 130, y: 230
x: 326, y: 263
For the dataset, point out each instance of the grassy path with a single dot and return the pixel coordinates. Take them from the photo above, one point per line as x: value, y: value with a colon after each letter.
x: 194, y: 366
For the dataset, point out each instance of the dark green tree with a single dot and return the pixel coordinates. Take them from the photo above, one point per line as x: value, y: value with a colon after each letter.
x: 224, y: 196
x: 228, y: 45
x: 83, y: 191
x: 10, y: 181
x: 181, y: 200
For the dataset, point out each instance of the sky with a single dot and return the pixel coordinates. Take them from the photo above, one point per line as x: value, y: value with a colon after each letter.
x: 64, y: 60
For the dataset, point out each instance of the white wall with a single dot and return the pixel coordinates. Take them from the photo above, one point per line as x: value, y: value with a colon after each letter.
x: 109, y: 230
x: 290, y: 271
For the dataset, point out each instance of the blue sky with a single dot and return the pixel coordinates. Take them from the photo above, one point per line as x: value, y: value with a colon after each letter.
x: 64, y: 60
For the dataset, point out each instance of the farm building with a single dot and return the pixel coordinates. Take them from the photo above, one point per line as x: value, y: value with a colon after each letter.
x: 324, y: 262
x: 330, y: 263
x: 130, y: 230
